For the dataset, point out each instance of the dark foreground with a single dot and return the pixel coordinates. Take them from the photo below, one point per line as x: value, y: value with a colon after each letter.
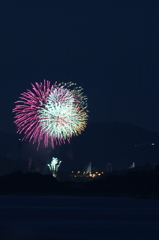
x: 78, y: 218
x: 133, y: 184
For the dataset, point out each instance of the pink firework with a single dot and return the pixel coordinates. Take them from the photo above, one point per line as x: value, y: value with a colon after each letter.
x: 27, y: 113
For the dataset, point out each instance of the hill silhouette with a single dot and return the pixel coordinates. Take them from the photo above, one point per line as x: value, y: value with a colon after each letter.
x: 101, y: 143
x: 116, y: 143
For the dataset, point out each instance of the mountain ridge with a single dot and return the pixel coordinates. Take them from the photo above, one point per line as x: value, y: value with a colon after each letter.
x: 100, y: 143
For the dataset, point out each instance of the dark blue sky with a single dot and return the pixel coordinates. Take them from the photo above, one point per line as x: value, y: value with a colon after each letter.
x: 110, y: 47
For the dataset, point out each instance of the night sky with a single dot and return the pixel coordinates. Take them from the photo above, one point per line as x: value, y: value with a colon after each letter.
x: 110, y: 47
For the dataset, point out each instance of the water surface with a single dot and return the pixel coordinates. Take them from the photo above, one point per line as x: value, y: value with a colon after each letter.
x: 62, y: 218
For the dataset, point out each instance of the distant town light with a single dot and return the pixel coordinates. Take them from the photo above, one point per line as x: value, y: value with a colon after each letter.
x: 152, y: 144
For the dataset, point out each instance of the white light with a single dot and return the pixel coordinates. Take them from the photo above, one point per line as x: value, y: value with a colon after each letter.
x: 54, y: 165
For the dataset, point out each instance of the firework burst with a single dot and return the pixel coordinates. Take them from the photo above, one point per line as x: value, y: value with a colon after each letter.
x: 63, y: 116
x: 52, y: 113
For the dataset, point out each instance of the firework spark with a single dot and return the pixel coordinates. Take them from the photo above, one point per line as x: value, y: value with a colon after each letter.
x: 27, y: 112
